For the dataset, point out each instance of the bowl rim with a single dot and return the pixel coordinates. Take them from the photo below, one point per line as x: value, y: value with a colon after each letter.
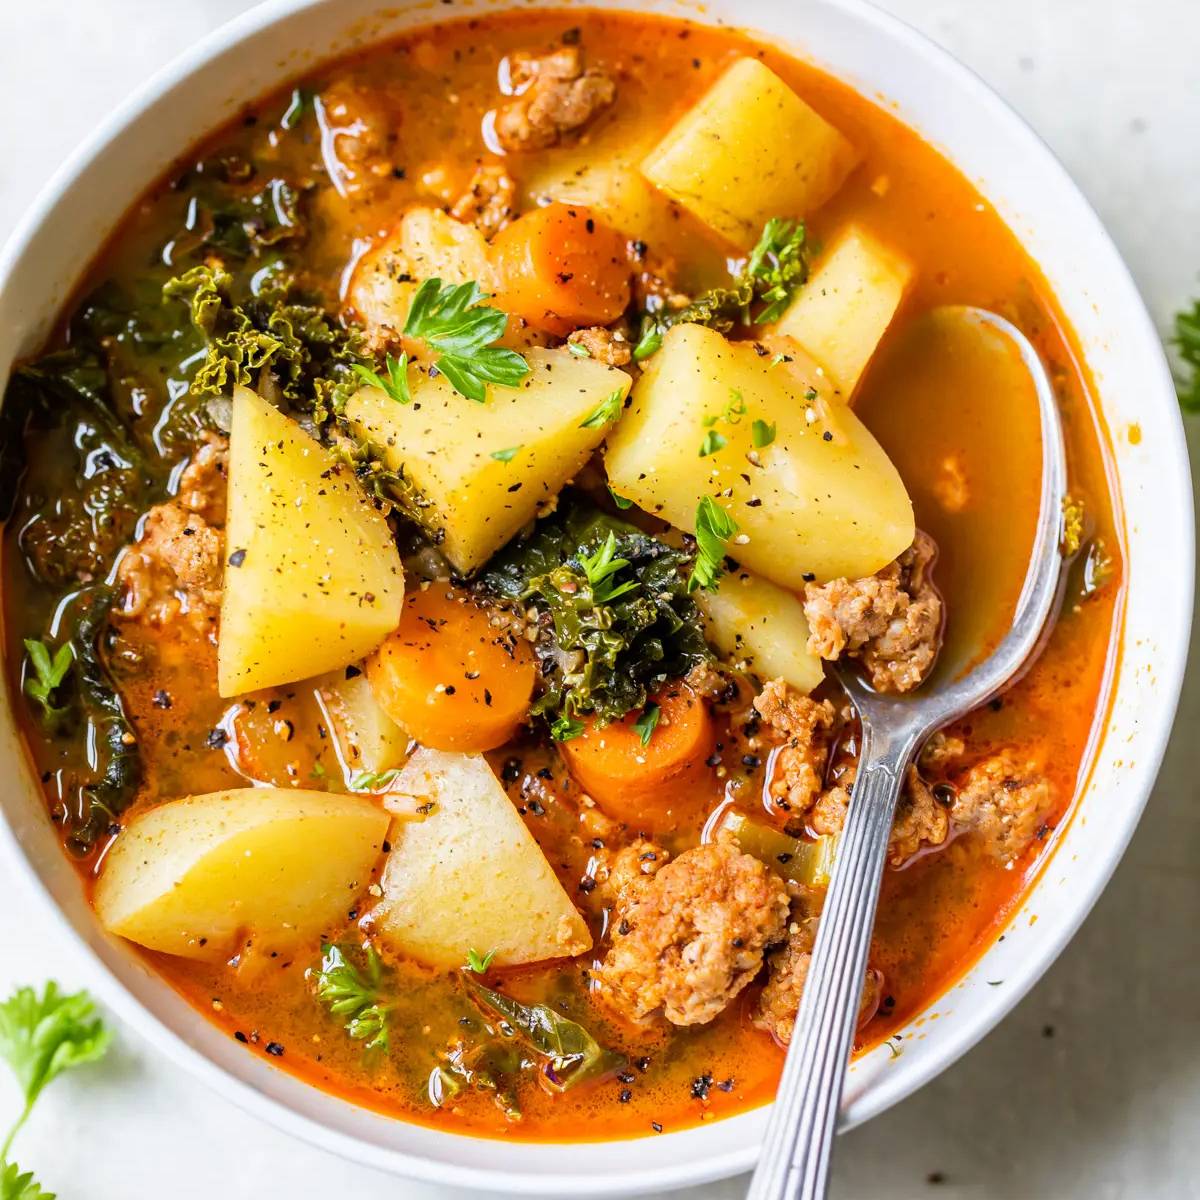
x: 885, y: 1092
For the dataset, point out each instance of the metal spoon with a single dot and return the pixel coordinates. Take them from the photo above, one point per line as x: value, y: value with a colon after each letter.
x: 797, y: 1148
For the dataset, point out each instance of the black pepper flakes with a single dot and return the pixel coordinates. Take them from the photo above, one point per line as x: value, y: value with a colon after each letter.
x: 656, y: 1126
x: 162, y: 699
x: 216, y: 739
x: 237, y: 558
x: 275, y: 1049
x: 701, y: 1085
x: 241, y: 1037
x: 625, y: 1095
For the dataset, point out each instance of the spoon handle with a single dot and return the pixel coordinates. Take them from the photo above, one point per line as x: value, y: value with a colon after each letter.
x: 794, y: 1162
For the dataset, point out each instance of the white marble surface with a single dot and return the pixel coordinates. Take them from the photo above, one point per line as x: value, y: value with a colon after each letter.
x: 1091, y: 1089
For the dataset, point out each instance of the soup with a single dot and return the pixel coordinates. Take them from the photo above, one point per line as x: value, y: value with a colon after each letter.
x: 427, y: 531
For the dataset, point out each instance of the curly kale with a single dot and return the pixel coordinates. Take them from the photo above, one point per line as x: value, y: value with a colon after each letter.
x: 308, y: 356
x: 618, y: 620
x: 775, y: 269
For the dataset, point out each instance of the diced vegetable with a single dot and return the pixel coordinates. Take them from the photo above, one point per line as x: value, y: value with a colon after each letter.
x: 847, y: 305
x: 750, y: 619
x: 475, y: 495
x: 449, y: 677
x: 560, y: 267
x: 304, y: 549
x: 747, y: 150
x: 470, y: 874
x: 805, y: 862
x: 426, y: 244
x: 368, y: 738
x: 650, y: 777
x: 280, y: 866
x: 820, y: 500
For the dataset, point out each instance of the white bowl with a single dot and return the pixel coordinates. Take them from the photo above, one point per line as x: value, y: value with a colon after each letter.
x: 1019, y: 176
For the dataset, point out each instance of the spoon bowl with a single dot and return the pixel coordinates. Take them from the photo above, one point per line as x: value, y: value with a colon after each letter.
x: 799, y: 1140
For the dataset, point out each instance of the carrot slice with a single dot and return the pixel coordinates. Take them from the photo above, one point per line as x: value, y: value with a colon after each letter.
x: 448, y: 677
x: 655, y: 786
x: 559, y: 268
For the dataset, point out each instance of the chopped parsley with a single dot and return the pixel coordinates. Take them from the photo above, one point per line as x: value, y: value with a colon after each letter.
x: 396, y: 383
x: 607, y: 411
x: 647, y: 723
x: 713, y: 441
x: 762, y: 434
x: 453, y: 321
x: 354, y: 995
x: 47, y: 676
x: 714, y: 526
x: 477, y: 962
x: 506, y: 455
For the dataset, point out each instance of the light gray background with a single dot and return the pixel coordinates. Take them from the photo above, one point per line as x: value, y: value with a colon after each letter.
x: 1091, y: 1089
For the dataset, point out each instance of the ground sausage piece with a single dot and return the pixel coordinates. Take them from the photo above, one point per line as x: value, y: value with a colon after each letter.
x: 920, y: 819
x: 805, y: 726
x: 1005, y: 802
x: 554, y: 95
x: 174, y: 568
x: 359, y: 136
x: 620, y: 874
x: 696, y: 936
x: 777, y: 1005
x: 892, y: 620
x: 603, y: 345
x: 489, y: 202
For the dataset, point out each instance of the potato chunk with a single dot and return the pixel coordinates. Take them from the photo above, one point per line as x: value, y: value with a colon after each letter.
x: 821, y: 500
x: 749, y: 149
x: 368, y: 739
x: 486, y: 469
x: 426, y: 244
x: 748, y: 618
x: 470, y: 876
x: 847, y: 305
x: 313, y: 580
x: 279, y: 865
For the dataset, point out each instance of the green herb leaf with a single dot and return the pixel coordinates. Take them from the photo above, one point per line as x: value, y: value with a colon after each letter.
x: 16, y: 1184
x: 579, y: 350
x: 564, y: 728
x: 713, y: 441
x: 48, y: 674
x: 762, y: 434
x: 620, y: 501
x: 43, y: 1036
x: 374, y: 781
x: 479, y: 963
x: 647, y: 723
x: 396, y: 384
x: 609, y: 409
x: 354, y: 995
x: 505, y: 455
x: 453, y: 321
x: 571, y: 1053
x: 714, y: 526
x: 601, y: 566
x: 649, y: 343
x: 1187, y: 339
x: 778, y: 265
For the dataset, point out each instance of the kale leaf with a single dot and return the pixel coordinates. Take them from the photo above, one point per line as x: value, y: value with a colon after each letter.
x: 618, y: 620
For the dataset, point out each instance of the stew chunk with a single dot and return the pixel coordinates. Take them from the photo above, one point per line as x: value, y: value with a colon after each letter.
x: 554, y: 94
x: 891, y: 620
x: 695, y: 936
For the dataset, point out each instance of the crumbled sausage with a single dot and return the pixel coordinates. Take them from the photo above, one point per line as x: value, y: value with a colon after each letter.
x: 941, y: 752
x: 695, y: 936
x: 604, y: 345
x: 1005, y: 802
x: 489, y: 202
x: 779, y: 1002
x: 174, y: 568
x: 359, y: 136
x: 805, y: 726
x: 553, y: 95
x: 621, y: 873
x: 920, y: 820
x: 892, y: 620
x: 708, y: 680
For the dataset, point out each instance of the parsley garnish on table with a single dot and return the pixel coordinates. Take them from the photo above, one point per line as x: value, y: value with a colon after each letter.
x: 453, y: 322
x: 41, y: 1036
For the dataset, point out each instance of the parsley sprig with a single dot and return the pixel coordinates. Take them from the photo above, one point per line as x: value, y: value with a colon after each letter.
x: 1187, y: 339
x: 607, y: 411
x: 647, y: 723
x: 49, y: 671
x: 714, y: 527
x: 453, y: 321
x: 355, y: 995
x: 396, y: 383
x: 600, y: 568
x: 41, y: 1036
x: 477, y: 962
